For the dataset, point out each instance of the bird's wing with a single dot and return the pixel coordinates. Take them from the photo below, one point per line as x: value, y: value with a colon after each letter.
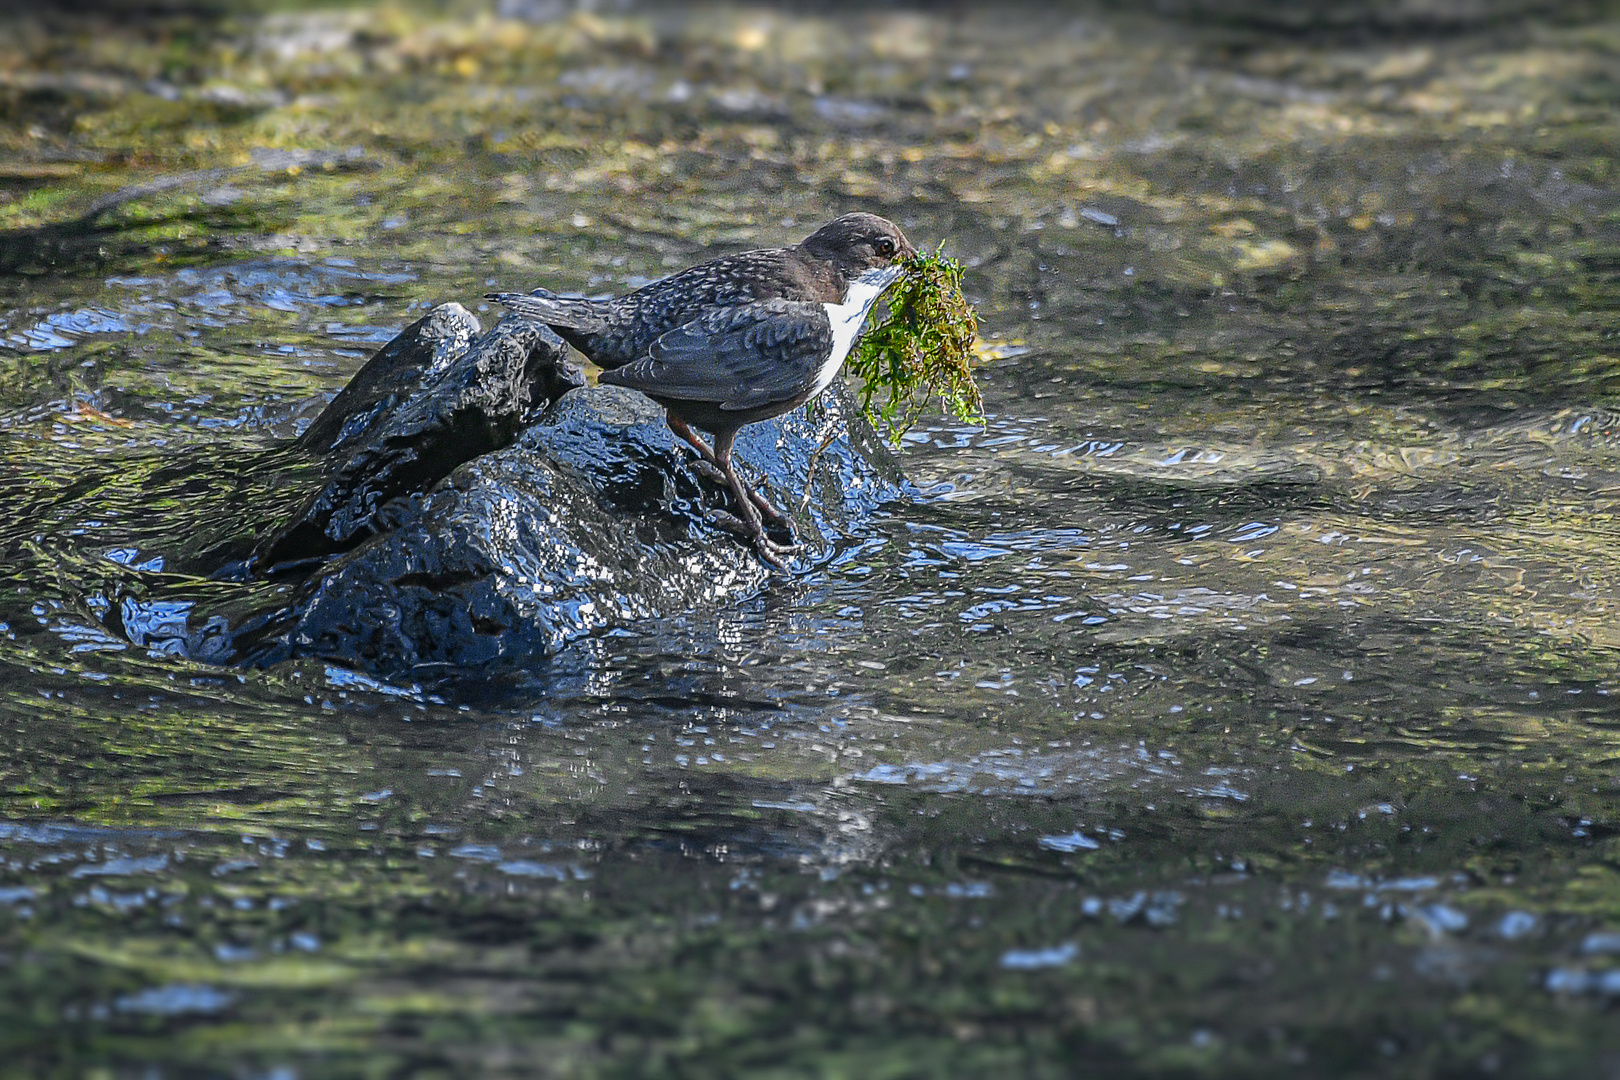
x: 555, y: 311
x: 740, y: 357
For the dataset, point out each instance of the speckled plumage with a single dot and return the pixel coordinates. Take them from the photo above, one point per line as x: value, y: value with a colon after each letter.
x: 731, y: 366
x: 612, y: 333
x: 739, y: 339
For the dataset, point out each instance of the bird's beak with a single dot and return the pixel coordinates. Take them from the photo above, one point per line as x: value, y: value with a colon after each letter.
x: 880, y: 277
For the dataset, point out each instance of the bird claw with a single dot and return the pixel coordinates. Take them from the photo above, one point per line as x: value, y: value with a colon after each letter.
x: 768, y: 549
x: 709, y: 471
x: 729, y: 522
x: 774, y: 518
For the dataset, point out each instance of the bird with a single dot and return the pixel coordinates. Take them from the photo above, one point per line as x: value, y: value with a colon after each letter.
x: 736, y: 340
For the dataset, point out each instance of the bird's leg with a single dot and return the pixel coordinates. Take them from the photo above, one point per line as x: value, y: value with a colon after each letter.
x: 692, y: 438
x: 749, y: 524
x: 770, y: 513
x: 708, y: 465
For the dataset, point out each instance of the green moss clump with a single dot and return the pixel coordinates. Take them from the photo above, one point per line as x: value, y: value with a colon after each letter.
x: 921, y: 347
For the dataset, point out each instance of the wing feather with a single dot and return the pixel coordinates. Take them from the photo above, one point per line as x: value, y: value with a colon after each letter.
x: 555, y: 311
x: 741, y: 357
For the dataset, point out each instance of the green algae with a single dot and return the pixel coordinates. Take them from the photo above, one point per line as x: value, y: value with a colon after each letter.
x: 920, y: 347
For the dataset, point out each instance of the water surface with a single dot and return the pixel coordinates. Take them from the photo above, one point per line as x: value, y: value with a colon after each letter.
x: 1240, y: 700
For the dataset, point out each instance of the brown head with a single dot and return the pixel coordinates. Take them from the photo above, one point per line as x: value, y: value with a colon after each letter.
x: 856, y: 243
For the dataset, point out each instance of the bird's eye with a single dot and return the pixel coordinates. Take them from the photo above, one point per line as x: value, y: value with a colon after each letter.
x: 885, y: 246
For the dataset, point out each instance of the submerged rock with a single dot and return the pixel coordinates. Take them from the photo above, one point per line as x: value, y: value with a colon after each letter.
x: 589, y: 517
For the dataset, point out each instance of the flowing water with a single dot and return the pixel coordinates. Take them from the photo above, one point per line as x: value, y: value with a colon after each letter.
x: 1242, y: 699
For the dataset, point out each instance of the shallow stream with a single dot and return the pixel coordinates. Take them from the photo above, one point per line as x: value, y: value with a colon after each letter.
x: 1243, y: 699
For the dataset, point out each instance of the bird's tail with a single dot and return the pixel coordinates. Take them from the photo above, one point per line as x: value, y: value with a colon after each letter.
x: 555, y: 311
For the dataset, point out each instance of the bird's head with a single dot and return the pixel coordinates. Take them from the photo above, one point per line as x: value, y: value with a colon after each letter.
x: 856, y: 243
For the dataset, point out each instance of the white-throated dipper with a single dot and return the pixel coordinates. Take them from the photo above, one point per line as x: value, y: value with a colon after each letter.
x: 740, y: 339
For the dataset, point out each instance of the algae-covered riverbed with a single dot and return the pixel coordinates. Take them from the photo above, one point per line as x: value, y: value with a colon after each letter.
x: 1243, y: 700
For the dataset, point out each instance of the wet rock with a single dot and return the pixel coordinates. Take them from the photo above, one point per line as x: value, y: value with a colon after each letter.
x: 481, y: 506
x: 591, y: 519
x: 404, y: 367
x: 434, y: 397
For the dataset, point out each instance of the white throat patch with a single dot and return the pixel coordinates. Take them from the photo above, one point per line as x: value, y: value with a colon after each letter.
x: 848, y: 318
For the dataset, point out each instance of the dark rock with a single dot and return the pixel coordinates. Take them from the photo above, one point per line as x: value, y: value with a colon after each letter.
x: 590, y: 520
x: 401, y: 369
x: 473, y: 507
x: 434, y: 397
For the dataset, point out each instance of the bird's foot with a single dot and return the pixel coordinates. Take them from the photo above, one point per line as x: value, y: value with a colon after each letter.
x: 709, y: 471
x: 768, y: 549
x: 775, y: 519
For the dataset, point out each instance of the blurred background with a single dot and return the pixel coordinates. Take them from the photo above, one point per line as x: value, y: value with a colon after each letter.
x: 1238, y: 701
